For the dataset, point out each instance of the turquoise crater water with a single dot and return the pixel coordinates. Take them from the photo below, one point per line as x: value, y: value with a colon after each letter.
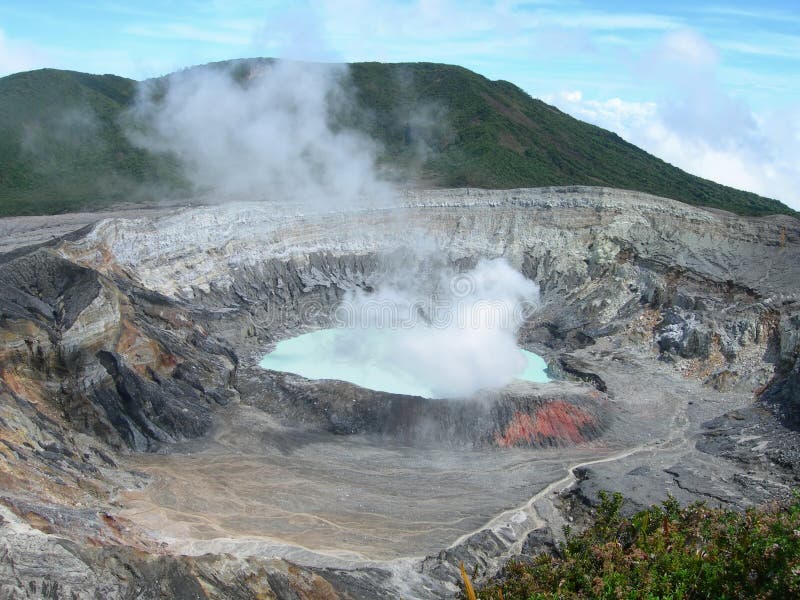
x: 366, y: 359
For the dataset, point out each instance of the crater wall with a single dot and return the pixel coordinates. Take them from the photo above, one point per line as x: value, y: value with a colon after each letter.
x: 675, y: 332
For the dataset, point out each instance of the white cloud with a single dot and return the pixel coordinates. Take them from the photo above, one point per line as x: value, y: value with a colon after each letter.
x: 762, y: 158
x: 697, y: 125
x: 761, y: 13
x: 686, y: 47
x: 223, y: 34
x: 463, y: 32
x: 18, y: 56
x: 613, y: 113
x: 574, y: 97
x: 603, y: 21
x: 773, y: 45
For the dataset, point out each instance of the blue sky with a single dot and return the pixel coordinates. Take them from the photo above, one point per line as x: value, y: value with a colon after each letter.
x: 711, y: 87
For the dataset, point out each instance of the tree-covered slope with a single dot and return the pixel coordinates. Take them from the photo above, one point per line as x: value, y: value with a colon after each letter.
x: 62, y: 145
x: 497, y: 136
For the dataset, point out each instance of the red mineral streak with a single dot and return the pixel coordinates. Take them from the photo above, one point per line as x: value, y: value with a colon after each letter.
x: 558, y: 420
x: 521, y: 428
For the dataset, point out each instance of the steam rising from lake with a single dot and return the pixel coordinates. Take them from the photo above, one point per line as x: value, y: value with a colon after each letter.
x: 449, y: 343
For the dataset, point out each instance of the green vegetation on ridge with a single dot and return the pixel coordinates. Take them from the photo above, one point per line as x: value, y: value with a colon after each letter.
x: 666, y: 552
x: 62, y: 147
x: 497, y: 136
x: 62, y: 144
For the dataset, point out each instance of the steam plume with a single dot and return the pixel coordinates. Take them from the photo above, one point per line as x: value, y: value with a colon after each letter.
x: 261, y: 130
x: 458, y: 340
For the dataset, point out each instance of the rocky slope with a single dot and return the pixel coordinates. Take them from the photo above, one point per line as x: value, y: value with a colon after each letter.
x: 129, y: 381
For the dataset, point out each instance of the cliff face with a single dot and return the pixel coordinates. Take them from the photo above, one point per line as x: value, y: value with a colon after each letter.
x: 182, y: 254
x: 143, y: 335
x: 719, y: 284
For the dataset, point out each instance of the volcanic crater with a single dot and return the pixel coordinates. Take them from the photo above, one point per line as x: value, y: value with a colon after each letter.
x: 142, y: 440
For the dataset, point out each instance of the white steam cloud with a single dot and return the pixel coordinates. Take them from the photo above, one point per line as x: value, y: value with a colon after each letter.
x: 266, y: 130
x: 454, y: 342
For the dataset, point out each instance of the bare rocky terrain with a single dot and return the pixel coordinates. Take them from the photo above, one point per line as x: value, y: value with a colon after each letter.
x: 145, y: 453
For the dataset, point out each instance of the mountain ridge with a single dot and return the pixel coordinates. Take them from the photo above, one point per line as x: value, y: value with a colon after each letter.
x: 63, y: 145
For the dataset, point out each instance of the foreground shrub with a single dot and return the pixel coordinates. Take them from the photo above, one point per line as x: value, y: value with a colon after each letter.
x: 667, y: 552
